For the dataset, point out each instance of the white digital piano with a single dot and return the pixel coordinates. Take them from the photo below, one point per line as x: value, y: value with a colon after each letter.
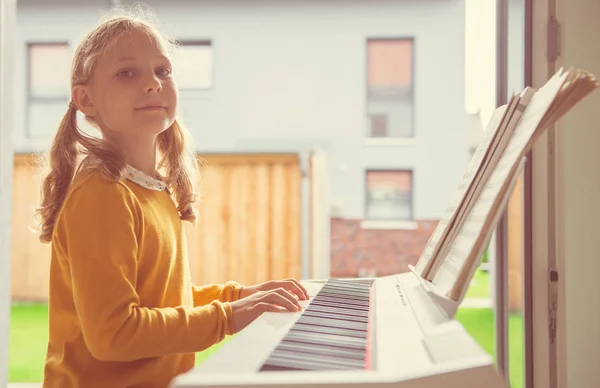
x: 390, y: 331
x: 399, y: 331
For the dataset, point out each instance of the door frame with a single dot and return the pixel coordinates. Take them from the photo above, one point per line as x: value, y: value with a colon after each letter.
x: 7, y: 32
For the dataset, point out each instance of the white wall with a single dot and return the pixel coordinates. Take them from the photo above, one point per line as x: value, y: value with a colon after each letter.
x: 292, y: 73
x: 581, y: 203
x: 480, y: 42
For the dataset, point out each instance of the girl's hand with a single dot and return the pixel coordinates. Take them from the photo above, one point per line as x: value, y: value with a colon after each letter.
x: 290, y: 285
x: 247, y: 309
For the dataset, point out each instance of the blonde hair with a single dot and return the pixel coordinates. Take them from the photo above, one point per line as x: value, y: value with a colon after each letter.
x: 72, y: 148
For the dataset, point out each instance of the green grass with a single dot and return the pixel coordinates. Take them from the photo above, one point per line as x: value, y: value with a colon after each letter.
x: 28, y: 339
x: 479, y: 323
x: 480, y: 285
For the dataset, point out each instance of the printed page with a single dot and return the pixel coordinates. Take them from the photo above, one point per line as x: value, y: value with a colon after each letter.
x: 484, y: 210
x: 492, y: 128
x: 486, y: 170
x: 455, y: 272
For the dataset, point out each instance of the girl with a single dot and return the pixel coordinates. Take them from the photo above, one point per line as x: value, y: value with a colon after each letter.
x: 122, y: 309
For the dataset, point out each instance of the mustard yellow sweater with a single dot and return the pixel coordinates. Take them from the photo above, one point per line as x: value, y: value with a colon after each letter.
x: 123, y: 311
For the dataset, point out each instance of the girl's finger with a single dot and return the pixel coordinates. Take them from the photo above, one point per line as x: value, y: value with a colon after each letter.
x: 299, y: 289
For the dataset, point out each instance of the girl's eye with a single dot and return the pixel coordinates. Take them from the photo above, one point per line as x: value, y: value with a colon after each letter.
x: 164, y: 72
x: 126, y: 73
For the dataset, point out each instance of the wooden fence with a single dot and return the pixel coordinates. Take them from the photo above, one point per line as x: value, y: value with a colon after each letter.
x: 514, y: 253
x: 249, y: 228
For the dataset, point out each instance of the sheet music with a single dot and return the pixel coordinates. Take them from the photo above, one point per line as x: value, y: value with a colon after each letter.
x: 509, y: 123
x: 486, y: 205
x: 465, y: 182
x: 476, y: 222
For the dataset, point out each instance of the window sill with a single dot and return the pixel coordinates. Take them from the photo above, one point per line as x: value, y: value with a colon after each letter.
x: 389, y: 225
x: 390, y: 142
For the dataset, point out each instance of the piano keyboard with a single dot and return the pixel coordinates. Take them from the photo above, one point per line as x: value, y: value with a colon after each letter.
x: 332, y: 333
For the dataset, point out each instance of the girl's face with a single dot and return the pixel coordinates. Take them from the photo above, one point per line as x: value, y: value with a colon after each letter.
x: 131, y: 93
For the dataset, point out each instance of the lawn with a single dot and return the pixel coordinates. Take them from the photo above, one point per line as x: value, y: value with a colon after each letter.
x: 28, y: 339
x: 479, y: 322
x: 480, y: 285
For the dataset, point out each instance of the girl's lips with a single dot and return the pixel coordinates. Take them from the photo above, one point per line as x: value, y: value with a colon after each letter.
x: 151, y: 108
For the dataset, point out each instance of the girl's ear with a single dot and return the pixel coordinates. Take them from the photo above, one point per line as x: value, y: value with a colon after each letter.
x: 81, y: 97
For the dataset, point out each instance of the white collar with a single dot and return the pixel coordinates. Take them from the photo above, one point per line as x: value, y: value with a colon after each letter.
x: 144, y: 179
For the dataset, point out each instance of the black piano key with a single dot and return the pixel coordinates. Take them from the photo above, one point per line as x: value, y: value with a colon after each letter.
x: 357, y: 300
x: 332, y: 322
x: 355, y: 291
x: 283, y: 364
x: 324, y: 361
x: 325, y: 303
x: 300, y: 326
x: 348, y: 290
x: 346, y: 302
x: 348, y: 284
x: 327, y: 339
x: 331, y: 351
x: 341, y: 312
x: 335, y: 317
x: 337, y: 291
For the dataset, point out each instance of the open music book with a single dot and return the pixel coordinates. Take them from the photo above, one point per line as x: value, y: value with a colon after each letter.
x: 453, y: 252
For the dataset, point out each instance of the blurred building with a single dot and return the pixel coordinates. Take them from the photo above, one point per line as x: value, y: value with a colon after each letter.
x: 379, y: 85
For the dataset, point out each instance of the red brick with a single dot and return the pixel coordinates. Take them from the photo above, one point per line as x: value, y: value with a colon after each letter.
x: 385, y: 251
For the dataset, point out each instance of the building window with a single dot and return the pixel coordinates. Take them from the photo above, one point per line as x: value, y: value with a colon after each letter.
x: 389, y: 195
x: 390, y: 87
x: 379, y: 126
x: 49, y: 66
x: 193, y: 65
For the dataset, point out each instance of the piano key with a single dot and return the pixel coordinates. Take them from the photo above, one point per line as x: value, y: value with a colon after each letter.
x: 332, y: 322
x: 326, y: 362
x: 281, y: 364
x: 345, y: 302
x: 335, y: 317
x: 344, y: 284
x: 363, y: 294
x: 347, y: 284
x: 339, y: 311
x: 325, y: 303
x: 300, y: 326
x: 347, y: 294
x: 332, y: 351
x: 327, y: 339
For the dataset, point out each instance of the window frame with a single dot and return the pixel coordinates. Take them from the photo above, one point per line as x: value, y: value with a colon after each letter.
x: 411, y: 92
x: 182, y: 43
x: 30, y: 99
x: 411, y: 219
x: 7, y: 37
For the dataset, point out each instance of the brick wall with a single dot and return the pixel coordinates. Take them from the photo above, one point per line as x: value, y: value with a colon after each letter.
x: 354, y: 249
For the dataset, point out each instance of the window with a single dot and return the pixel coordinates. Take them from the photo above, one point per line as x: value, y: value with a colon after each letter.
x: 193, y: 65
x: 379, y: 126
x: 389, y: 196
x: 390, y: 87
x: 49, y: 66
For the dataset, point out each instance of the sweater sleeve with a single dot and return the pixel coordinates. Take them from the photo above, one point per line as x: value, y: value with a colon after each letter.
x: 228, y: 292
x: 99, y: 229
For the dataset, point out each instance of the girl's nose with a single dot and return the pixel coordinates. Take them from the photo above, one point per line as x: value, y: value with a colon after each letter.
x: 153, y: 84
